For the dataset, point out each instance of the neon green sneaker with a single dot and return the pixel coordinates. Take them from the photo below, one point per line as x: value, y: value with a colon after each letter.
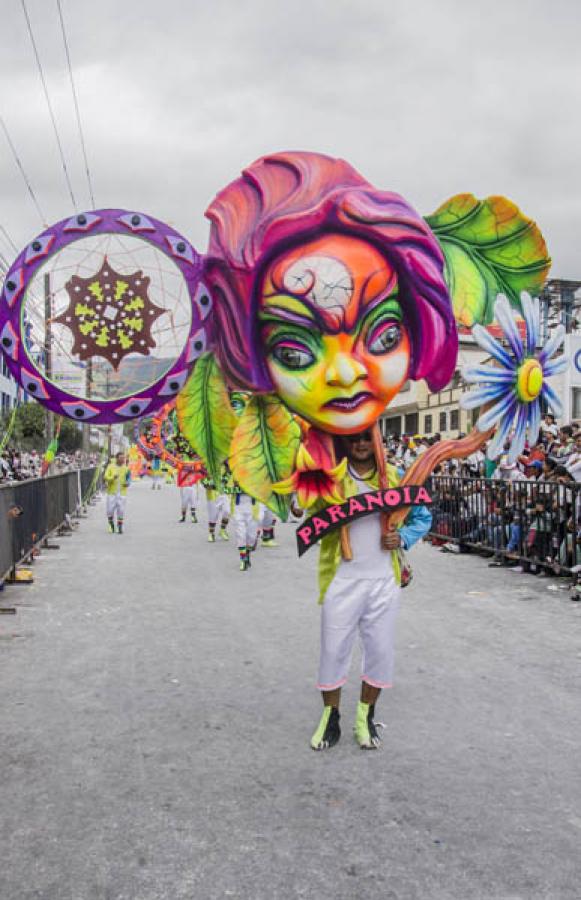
x: 211, y: 537
x: 224, y: 534
x: 270, y: 542
x: 328, y: 731
x: 365, y: 729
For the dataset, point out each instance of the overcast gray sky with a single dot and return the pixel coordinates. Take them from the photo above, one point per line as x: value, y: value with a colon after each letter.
x: 426, y: 97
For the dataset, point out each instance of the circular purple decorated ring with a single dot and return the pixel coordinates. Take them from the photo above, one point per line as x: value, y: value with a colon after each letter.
x: 110, y: 316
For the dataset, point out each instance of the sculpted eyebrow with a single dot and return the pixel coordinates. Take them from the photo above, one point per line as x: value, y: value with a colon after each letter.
x: 390, y: 300
x: 279, y: 313
x: 377, y: 309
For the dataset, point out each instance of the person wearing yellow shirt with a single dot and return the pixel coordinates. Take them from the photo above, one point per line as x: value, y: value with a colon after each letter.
x: 117, y: 479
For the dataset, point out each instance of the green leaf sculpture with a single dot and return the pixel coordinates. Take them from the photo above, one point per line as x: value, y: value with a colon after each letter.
x: 490, y: 248
x: 205, y: 416
x: 264, y: 449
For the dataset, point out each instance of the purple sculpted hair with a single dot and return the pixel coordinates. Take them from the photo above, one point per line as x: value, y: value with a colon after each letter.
x: 290, y: 198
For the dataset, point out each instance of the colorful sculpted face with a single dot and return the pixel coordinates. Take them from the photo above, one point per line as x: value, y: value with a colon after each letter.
x: 336, y: 346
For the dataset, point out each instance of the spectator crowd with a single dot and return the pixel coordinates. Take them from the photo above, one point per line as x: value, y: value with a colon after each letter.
x: 525, y: 514
x: 560, y: 445
x: 18, y: 465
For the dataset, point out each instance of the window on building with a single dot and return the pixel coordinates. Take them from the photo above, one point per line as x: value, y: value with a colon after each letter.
x: 427, y: 425
x: 455, y: 420
x: 412, y: 423
x: 392, y: 425
x: 577, y: 403
x: 443, y: 422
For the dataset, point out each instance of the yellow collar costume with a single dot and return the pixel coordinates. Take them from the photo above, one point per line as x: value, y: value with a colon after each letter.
x: 416, y: 525
x: 117, y: 479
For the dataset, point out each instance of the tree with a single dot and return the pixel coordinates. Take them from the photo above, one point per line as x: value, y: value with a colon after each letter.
x: 71, y: 436
x: 29, y: 431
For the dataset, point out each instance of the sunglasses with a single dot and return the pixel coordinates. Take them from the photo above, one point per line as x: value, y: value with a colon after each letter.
x: 359, y: 438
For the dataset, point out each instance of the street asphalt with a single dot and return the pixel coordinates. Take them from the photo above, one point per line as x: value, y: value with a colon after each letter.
x: 157, y: 706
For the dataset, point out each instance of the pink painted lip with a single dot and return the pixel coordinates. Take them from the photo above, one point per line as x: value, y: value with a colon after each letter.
x: 348, y: 404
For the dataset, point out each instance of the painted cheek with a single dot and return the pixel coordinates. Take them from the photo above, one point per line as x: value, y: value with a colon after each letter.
x: 298, y: 388
x: 388, y: 373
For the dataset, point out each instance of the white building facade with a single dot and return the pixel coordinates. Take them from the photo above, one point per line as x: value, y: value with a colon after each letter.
x: 568, y: 384
x: 8, y: 388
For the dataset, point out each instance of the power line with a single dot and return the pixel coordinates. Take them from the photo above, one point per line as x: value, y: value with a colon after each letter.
x: 9, y: 239
x: 22, y: 172
x: 4, y: 260
x: 49, y: 104
x: 76, y: 102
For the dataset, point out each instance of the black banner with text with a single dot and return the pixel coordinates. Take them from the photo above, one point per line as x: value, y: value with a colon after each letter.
x: 318, y: 525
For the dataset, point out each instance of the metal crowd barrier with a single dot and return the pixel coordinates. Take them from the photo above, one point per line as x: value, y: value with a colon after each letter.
x: 531, y: 523
x: 46, y: 505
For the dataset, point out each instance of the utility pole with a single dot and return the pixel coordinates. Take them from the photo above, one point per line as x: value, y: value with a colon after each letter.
x: 48, y: 350
x: 88, y: 393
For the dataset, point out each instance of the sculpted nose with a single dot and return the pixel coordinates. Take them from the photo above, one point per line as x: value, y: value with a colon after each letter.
x: 344, y: 370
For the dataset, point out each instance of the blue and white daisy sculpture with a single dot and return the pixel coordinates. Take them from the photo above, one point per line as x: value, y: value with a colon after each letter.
x: 512, y: 389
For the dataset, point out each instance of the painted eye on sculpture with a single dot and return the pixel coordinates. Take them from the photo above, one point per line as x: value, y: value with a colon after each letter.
x: 40, y: 247
x: 293, y: 356
x: 181, y: 249
x: 203, y: 301
x: 33, y: 384
x: 80, y: 410
x: 174, y: 383
x: 9, y: 341
x: 133, y: 407
x: 384, y: 338
x: 136, y: 222
x: 82, y: 222
x: 196, y: 346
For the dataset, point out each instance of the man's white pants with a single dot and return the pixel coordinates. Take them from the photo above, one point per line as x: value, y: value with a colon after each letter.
x: 115, y: 505
x: 188, y: 497
x: 244, y: 522
x: 268, y: 518
x: 219, y: 509
x: 368, y: 606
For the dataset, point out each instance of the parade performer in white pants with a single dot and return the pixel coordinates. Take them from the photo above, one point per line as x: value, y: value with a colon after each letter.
x: 267, y: 523
x: 246, y: 517
x: 187, y: 482
x: 361, y: 596
x: 218, y: 505
x: 156, y: 474
x: 117, y: 479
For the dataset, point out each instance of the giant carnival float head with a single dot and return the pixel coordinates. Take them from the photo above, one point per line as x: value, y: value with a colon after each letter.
x: 319, y: 297
x: 328, y: 292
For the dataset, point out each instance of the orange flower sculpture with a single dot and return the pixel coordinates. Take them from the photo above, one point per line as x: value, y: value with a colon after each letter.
x: 316, y: 476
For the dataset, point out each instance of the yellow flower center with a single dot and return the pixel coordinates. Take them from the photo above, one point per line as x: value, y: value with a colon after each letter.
x: 529, y: 380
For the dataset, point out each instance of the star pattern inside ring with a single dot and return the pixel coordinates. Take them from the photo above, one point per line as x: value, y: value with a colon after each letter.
x: 110, y: 315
